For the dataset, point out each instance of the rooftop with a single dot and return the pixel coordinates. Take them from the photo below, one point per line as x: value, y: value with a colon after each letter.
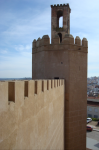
x: 92, y: 100
x: 60, y: 5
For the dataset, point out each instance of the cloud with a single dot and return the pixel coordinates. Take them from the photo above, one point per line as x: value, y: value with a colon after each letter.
x: 3, y: 51
x: 24, y: 27
x: 20, y: 25
x: 22, y: 47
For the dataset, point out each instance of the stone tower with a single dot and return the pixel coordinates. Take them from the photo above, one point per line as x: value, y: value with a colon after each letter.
x: 58, y: 11
x: 65, y: 58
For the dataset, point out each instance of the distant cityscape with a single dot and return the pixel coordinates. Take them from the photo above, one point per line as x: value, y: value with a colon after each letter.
x: 8, y: 79
x: 93, y: 87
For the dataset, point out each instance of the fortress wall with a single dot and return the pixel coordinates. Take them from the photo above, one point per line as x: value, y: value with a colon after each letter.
x: 32, y: 115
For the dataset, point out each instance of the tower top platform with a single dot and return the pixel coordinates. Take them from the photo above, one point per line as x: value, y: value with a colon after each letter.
x: 60, y: 5
x: 57, y: 11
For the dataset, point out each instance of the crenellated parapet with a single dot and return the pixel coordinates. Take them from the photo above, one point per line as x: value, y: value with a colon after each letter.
x: 68, y: 43
x: 15, y: 93
x: 60, y: 5
x: 38, y: 45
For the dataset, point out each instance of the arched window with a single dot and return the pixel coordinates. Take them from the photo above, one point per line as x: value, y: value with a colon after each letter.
x: 60, y: 36
x: 59, y: 20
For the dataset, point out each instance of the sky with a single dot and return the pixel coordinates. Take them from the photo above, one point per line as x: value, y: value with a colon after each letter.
x: 22, y: 21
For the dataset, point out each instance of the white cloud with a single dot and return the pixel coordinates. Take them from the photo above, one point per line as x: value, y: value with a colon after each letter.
x: 19, y: 28
x: 3, y: 51
x: 22, y: 47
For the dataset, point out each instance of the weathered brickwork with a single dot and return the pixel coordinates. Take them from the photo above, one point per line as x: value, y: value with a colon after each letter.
x: 56, y: 13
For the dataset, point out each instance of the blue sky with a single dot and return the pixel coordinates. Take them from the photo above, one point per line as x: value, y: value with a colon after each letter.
x: 22, y: 21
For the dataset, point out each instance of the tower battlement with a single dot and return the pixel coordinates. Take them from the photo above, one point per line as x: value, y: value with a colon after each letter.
x: 60, y: 5
x: 68, y: 43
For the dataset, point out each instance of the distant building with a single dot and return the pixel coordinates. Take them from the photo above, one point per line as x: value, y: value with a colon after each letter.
x: 92, y: 108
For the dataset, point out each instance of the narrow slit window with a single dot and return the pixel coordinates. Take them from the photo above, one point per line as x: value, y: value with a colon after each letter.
x: 35, y: 87
x: 42, y: 86
x: 51, y: 83
x: 11, y: 91
x: 54, y: 83
x: 26, y: 89
x: 47, y: 85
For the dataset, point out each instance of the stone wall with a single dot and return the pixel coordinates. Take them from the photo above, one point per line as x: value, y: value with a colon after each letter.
x: 68, y: 43
x: 32, y: 115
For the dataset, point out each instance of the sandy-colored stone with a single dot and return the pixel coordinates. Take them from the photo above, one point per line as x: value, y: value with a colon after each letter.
x: 35, y: 121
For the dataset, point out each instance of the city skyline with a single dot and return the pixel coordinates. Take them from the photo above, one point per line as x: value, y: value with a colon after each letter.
x: 22, y: 21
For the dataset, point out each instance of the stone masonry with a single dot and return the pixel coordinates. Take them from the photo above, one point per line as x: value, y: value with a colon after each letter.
x: 58, y: 11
